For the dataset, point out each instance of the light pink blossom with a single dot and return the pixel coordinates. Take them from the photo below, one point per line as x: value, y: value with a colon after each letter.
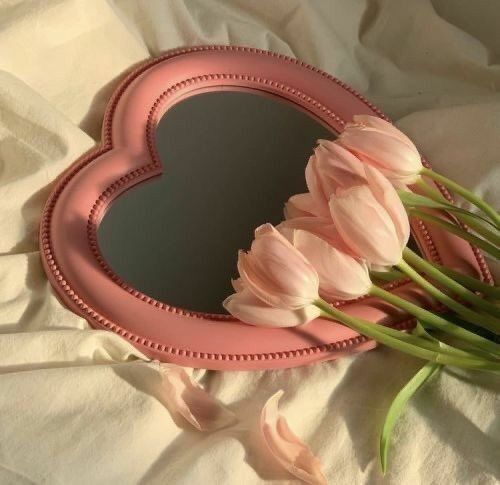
x: 380, y: 144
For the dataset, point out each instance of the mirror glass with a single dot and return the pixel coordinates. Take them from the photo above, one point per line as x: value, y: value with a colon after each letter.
x: 230, y: 161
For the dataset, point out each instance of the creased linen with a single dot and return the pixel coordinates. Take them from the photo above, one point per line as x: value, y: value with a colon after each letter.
x: 79, y: 406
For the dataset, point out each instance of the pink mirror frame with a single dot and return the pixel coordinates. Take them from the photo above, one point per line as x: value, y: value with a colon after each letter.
x: 127, y: 156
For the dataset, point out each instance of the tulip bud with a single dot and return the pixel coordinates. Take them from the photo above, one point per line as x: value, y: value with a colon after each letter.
x: 380, y: 144
x: 276, y: 272
x: 341, y: 277
x: 330, y: 169
x: 245, y: 306
x: 372, y: 221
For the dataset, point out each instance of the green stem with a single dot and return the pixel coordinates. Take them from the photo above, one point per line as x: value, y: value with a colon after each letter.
x: 426, y: 343
x: 474, y: 224
x: 465, y: 193
x: 470, y: 282
x: 454, y: 229
x: 471, y: 219
x: 437, y: 321
x: 471, y: 316
x: 431, y: 192
x: 467, y: 295
x: 416, y: 346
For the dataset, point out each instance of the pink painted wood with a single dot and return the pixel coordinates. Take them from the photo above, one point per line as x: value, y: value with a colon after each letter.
x: 127, y: 156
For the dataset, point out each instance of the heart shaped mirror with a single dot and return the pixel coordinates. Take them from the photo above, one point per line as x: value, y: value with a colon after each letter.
x: 199, y: 147
x: 229, y: 161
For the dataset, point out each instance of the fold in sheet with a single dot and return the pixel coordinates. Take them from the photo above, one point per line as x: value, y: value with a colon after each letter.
x: 80, y: 406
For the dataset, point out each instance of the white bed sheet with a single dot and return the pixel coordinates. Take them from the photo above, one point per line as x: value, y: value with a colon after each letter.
x: 79, y: 406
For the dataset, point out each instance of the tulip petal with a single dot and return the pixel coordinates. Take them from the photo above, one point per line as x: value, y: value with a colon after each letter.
x: 387, y: 196
x: 292, y: 454
x: 245, y: 306
x: 340, y: 167
x: 301, y: 205
x: 313, y: 182
x: 341, y: 277
x: 366, y: 226
x: 238, y: 285
x: 184, y: 396
x: 390, y: 153
x: 383, y: 126
x: 319, y: 226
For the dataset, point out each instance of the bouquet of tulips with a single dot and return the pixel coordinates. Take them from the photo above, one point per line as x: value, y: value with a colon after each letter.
x: 349, y: 234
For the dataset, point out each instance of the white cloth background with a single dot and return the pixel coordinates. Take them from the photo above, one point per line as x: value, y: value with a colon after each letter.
x: 78, y: 406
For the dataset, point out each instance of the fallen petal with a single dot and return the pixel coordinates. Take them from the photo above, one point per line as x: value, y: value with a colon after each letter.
x: 185, y: 397
x: 294, y: 455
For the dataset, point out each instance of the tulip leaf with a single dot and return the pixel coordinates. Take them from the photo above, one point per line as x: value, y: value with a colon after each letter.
x: 411, y: 199
x: 398, y: 404
x: 470, y: 282
x: 420, y: 331
x: 478, y: 350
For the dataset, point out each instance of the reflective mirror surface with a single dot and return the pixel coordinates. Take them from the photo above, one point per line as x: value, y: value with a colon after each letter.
x: 230, y: 161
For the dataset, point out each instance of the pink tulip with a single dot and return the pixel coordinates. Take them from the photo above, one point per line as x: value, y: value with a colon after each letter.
x: 380, y: 144
x: 301, y: 205
x: 330, y: 169
x: 245, y: 306
x: 341, y: 277
x: 372, y: 220
x: 276, y: 272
